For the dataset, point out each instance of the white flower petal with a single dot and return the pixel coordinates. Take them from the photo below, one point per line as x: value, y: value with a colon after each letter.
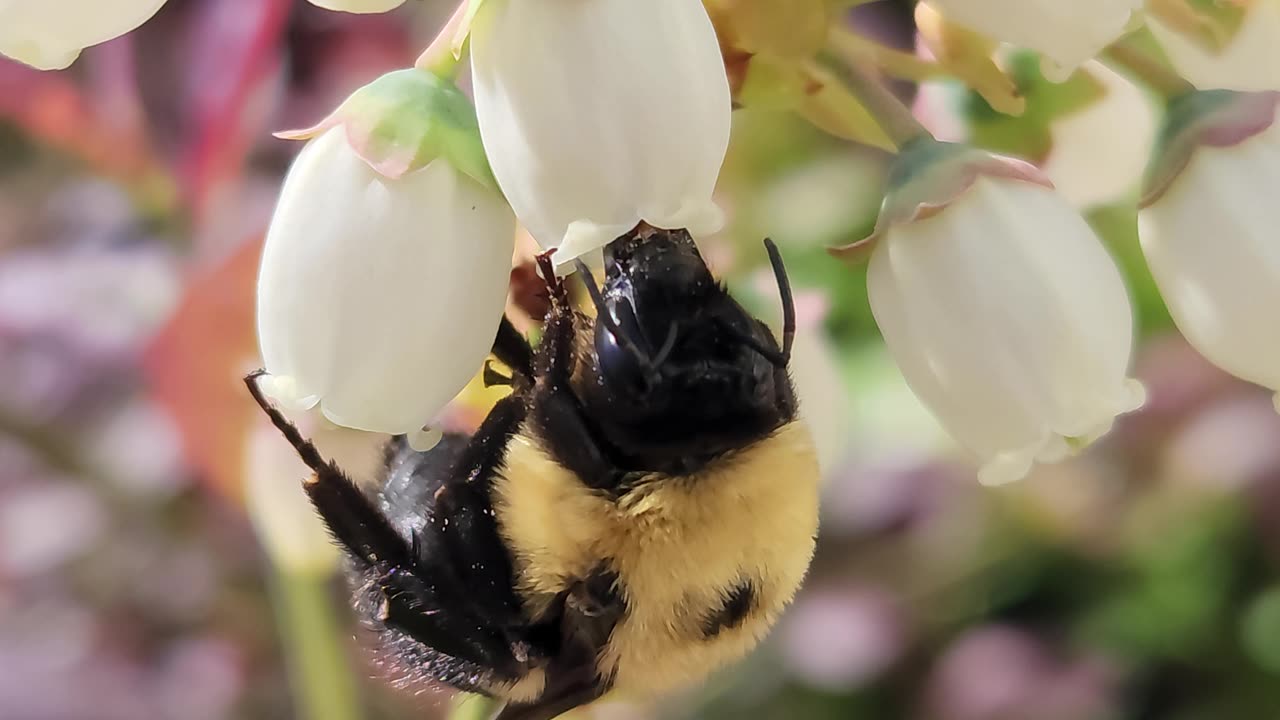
x: 425, y: 439
x: 358, y: 6
x: 626, y: 120
x: 1100, y: 153
x: 1251, y: 61
x: 49, y: 34
x: 1211, y: 243
x: 1008, y: 319
x: 1066, y: 33
x: 1007, y: 467
x: 381, y: 297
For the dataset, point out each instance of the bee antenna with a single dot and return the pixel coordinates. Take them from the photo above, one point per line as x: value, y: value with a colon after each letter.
x: 779, y: 359
x: 667, y: 346
x: 603, y: 315
x: 788, y: 300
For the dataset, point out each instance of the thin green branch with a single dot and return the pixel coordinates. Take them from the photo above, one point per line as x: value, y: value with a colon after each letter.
x: 313, y: 634
x: 854, y: 48
x: 441, y: 56
x: 47, y: 444
x: 1138, y: 62
x: 894, y: 117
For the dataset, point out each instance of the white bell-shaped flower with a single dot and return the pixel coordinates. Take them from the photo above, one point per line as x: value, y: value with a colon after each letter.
x: 358, y: 6
x: 49, y: 34
x: 1250, y: 59
x: 599, y: 114
x: 379, y: 298
x: 1066, y: 33
x: 382, y: 289
x: 1212, y: 240
x: 1004, y: 311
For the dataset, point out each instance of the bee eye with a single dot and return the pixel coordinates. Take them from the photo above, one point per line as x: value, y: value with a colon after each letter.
x: 619, y: 365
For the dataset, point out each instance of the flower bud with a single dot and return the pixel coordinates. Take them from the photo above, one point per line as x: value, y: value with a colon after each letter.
x: 380, y: 293
x: 1209, y: 230
x: 1066, y: 33
x: 1004, y: 311
x: 49, y: 35
x: 287, y: 525
x: 1248, y: 58
x: 599, y: 115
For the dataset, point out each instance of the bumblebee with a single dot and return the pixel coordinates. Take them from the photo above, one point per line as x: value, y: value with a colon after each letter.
x: 636, y: 513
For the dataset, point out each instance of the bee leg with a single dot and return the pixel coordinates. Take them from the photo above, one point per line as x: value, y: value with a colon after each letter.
x: 553, y: 706
x: 495, y: 378
x: 570, y: 439
x: 555, y: 286
x: 409, y: 593
x: 591, y: 610
x: 557, y: 412
x: 462, y: 528
x: 558, y: 415
x: 512, y: 348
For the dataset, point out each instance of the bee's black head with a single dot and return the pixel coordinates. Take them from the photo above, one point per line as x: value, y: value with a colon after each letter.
x: 680, y: 373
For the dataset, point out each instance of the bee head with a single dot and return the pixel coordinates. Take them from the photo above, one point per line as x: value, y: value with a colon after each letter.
x: 680, y: 372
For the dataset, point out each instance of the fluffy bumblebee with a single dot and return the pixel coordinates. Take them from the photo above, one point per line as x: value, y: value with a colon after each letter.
x: 635, y: 514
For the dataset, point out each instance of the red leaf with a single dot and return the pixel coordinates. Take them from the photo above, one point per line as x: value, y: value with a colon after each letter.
x: 195, y: 366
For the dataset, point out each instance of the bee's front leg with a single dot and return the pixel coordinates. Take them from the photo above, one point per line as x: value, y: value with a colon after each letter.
x: 555, y: 410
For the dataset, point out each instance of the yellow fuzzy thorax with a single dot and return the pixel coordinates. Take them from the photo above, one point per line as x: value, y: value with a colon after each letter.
x: 678, y: 545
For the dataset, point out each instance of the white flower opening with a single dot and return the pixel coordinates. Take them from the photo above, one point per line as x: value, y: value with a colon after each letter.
x: 599, y: 115
x: 49, y: 34
x: 378, y: 298
x: 1009, y: 321
x: 1211, y: 243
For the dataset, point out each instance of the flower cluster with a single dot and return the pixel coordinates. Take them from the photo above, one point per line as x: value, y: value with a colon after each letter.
x: 1006, y: 315
x: 1233, y: 44
x: 386, y: 265
x: 385, y: 272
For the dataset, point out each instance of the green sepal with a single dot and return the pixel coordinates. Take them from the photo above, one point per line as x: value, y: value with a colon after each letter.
x: 1030, y: 135
x: 1213, y: 118
x: 406, y: 119
x: 926, y: 178
x: 772, y: 84
x: 795, y: 30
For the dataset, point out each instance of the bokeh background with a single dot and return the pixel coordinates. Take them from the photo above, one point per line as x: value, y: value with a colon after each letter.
x: 156, y: 561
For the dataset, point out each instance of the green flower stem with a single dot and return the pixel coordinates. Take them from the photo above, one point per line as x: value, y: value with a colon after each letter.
x: 890, y: 113
x: 835, y: 110
x: 897, y: 63
x: 993, y: 85
x: 1142, y: 65
x: 473, y: 707
x: 441, y: 57
x: 1200, y: 28
x: 323, y: 683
